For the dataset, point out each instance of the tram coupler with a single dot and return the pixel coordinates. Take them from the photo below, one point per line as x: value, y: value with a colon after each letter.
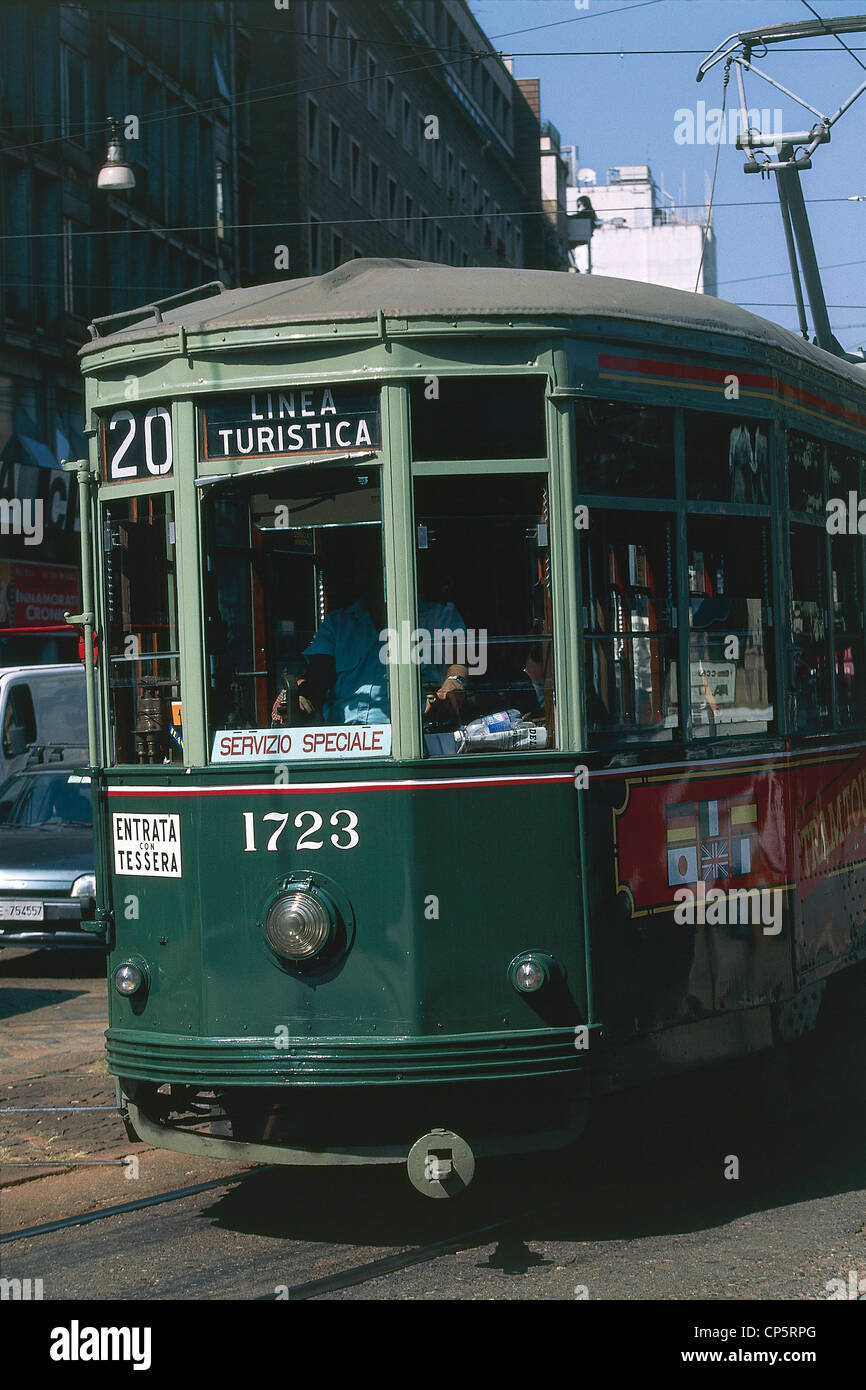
x: 440, y: 1164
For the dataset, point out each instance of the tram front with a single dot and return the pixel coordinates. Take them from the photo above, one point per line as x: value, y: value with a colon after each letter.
x: 338, y: 850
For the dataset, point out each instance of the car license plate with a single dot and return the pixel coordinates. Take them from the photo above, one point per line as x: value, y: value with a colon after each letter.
x: 21, y: 911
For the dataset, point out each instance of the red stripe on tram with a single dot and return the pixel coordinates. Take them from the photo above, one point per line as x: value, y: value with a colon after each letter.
x: 784, y: 391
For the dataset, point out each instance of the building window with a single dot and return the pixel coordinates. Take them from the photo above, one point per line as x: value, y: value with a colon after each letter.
x: 312, y: 130
x: 392, y: 203
x: 390, y: 105
x: 437, y: 160
x: 315, y: 228
x: 311, y: 22
x: 336, y: 249
x: 333, y: 41
x: 73, y: 95
x: 407, y: 124
x: 409, y: 214
x: 423, y: 142
x: 476, y: 203
x: 372, y: 84
x: 374, y: 187
x: 449, y: 174
x: 221, y: 198
x: 437, y: 243
x: 335, y: 151
x: 464, y: 258
x: 355, y: 169
x: 424, y: 233
x: 462, y: 187
x: 354, y: 57
x: 452, y: 251
x: 518, y: 246
x: 76, y: 264
x: 47, y: 273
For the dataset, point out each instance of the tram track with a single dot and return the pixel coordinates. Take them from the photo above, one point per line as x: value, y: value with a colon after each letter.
x: 122, y: 1208
x: 390, y: 1264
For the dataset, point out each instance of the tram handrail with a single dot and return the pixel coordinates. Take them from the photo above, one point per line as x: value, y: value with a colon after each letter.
x: 155, y: 308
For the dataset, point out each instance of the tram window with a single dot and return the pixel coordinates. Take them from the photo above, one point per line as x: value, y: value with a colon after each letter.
x: 809, y: 697
x: 727, y: 460
x: 142, y: 636
x: 494, y: 417
x: 630, y: 645
x: 624, y: 449
x: 805, y: 473
x: 730, y: 649
x: 485, y: 612
x: 843, y: 472
x: 848, y: 642
x: 294, y: 597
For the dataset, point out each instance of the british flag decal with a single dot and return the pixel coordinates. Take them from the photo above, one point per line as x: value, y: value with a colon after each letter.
x: 711, y: 840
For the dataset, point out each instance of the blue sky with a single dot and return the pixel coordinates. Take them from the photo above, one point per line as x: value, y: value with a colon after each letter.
x: 620, y: 109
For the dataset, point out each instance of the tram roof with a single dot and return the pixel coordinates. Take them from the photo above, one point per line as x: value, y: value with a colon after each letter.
x: 409, y: 290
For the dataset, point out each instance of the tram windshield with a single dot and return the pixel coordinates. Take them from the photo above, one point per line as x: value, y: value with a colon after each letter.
x: 295, y: 603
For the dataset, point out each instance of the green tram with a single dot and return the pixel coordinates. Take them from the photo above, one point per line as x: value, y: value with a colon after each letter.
x: 478, y: 659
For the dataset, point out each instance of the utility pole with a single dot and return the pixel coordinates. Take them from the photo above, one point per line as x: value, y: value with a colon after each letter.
x: 786, y: 153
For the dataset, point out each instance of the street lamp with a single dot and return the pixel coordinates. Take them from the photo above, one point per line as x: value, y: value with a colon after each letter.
x: 115, y: 172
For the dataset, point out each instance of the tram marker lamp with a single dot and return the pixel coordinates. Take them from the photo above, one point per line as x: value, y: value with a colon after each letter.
x: 299, y: 925
x: 115, y: 173
x: 130, y: 977
x: 531, y: 971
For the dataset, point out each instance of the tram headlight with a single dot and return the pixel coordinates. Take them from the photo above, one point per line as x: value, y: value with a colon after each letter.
x: 532, y: 970
x: 130, y: 977
x: 299, y: 925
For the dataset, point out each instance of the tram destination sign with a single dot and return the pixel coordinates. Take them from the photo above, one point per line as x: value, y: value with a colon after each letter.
x: 298, y: 420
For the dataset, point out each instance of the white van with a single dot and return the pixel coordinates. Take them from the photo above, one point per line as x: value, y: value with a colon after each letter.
x: 41, y: 706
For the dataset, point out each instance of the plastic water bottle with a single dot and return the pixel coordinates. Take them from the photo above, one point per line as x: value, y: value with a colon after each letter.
x: 503, y: 730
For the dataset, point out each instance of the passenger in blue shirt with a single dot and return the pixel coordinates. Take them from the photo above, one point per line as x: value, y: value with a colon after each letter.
x: 346, y: 681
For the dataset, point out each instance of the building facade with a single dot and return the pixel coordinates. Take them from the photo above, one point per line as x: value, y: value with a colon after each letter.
x: 399, y: 137
x: 266, y: 139
x: 641, y: 234
x: 175, y: 77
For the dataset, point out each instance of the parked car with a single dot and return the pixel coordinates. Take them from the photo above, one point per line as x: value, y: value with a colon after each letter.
x: 47, y: 882
x: 43, y: 706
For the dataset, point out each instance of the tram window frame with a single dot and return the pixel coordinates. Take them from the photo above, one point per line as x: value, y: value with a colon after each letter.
x: 840, y: 470
x: 151, y: 723
x: 844, y: 475
x: 684, y: 508
x: 436, y: 438
x: 622, y: 599
x: 274, y: 635
x: 465, y: 675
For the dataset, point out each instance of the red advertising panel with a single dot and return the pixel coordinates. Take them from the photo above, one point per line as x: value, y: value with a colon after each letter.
x: 41, y: 594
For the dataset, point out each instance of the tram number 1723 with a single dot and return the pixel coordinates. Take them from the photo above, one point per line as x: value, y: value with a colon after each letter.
x: 345, y: 837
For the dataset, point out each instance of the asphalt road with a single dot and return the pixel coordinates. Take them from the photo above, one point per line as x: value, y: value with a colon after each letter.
x: 641, y: 1209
